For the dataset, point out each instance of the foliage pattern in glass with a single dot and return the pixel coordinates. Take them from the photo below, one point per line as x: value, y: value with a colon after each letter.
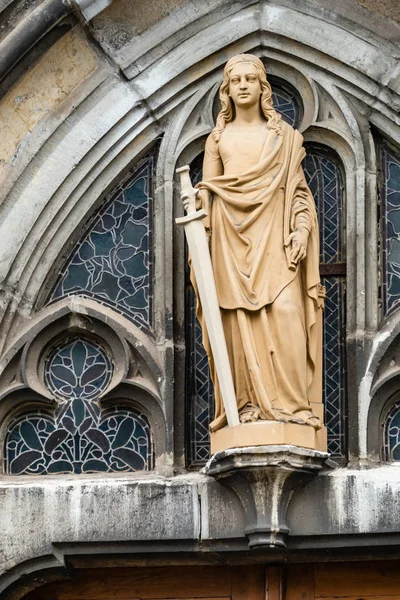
x: 323, y: 175
x: 391, y: 435
x: 391, y: 227
x: 113, y: 261
x: 80, y: 437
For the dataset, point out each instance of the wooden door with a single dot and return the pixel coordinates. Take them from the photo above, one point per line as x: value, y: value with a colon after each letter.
x: 366, y: 580
x: 158, y: 583
x: 369, y: 580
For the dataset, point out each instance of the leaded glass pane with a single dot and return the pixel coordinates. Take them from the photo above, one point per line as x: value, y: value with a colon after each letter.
x: 199, y: 387
x: 78, y: 369
x: 79, y: 437
x: 390, y: 199
x: 113, y: 261
x: 323, y: 175
x: 334, y: 364
x: 324, y: 180
x: 391, y: 435
x: 286, y: 105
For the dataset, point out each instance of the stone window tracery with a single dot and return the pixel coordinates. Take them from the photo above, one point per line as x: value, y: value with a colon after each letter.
x: 113, y: 262
x: 391, y: 434
x: 78, y: 436
x: 390, y: 226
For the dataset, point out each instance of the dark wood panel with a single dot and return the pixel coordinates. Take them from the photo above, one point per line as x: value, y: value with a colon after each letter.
x: 248, y: 583
x: 364, y: 597
x: 327, y: 581
x: 274, y: 587
x: 358, y: 579
x: 148, y: 583
x: 299, y: 582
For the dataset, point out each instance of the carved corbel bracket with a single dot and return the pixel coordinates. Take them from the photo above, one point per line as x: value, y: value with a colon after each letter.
x: 264, y: 479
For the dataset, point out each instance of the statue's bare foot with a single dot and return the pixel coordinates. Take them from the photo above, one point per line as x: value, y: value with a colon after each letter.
x: 249, y: 413
x: 314, y: 422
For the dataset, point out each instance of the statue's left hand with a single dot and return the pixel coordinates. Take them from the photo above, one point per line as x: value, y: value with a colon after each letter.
x: 297, y: 241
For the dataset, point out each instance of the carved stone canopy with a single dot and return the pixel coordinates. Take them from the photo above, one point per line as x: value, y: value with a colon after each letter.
x: 264, y: 479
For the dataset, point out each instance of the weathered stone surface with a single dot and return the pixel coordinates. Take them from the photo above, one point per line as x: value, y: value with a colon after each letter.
x: 12, y: 12
x: 126, y: 38
x: 37, y: 513
x: 34, y: 515
x: 348, y: 501
x: 57, y: 74
x: 91, y: 8
x: 221, y: 512
x: 124, y: 19
x: 342, y: 502
x: 387, y: 8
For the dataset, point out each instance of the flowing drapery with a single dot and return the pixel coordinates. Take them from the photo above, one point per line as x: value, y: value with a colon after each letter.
x: 268, y: 305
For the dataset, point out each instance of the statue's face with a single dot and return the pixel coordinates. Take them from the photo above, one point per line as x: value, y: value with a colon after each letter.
x: 244, y: 85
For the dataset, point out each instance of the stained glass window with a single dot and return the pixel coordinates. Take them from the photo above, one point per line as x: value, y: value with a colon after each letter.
x: 390, y: 207
x: 323, y: 174
x: 199, y: 387
x: 391, y: 435
x: 79, y: 437
x: 286, y: 104
x: 113, y: 261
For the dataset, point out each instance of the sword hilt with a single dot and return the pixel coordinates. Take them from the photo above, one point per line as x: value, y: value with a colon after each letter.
x: 187, y: 190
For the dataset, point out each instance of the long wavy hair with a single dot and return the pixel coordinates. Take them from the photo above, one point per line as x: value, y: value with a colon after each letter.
x: 227, y: 112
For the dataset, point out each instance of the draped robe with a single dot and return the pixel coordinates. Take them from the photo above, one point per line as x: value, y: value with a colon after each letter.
x: 268, y: 305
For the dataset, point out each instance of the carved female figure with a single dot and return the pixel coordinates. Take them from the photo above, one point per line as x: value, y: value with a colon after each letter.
x: 264, y: 251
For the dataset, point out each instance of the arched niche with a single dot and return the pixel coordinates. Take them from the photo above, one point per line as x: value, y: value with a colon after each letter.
x: 326, y: 175
x: 384, y: 391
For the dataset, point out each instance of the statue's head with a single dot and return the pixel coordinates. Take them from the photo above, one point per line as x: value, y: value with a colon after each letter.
x: 227, y: 112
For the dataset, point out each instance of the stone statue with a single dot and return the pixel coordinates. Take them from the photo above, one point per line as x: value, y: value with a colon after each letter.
x: 264, y: 250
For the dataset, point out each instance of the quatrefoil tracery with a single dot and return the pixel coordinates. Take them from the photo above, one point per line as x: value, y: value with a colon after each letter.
x: 80, y: 437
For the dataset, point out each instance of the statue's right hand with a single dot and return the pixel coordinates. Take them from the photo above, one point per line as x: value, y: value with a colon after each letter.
x: 189, y: 200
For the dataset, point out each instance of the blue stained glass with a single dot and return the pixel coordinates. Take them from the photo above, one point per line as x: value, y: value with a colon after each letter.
x: 323, y: 175
x: 79, y: 437
x: 129, y: 435
x: 391, y: 227
x: 334, y: 364
x: 78, y: 369
x: 113, y: 262
x: 286, y: 105
x: 391, y: 435
x: 199, y: 387
x: 323, y: 178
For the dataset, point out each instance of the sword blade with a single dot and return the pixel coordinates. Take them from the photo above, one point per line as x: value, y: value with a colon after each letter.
x: 201, y: 263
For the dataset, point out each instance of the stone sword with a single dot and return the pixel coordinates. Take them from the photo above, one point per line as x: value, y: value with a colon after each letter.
x: 200, y: 256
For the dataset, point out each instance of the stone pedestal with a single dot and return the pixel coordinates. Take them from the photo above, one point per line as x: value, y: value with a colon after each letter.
x: 264, y: 478
x: 273, y: 433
